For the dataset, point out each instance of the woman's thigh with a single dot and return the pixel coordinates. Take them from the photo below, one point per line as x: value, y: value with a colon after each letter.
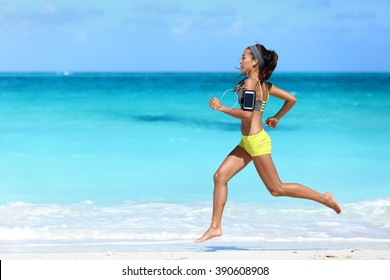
x: 233, y: 163
x: 267, y: 171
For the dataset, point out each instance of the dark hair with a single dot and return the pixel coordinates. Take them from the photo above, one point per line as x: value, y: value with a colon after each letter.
x: 270, y: 58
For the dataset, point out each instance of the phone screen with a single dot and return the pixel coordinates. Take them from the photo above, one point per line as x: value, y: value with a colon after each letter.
x: 249, y: 100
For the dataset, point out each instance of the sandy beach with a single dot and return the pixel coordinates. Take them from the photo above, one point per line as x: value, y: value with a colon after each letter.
x: 346, y: 254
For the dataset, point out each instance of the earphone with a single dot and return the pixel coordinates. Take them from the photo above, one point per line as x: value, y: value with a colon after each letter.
x: 234, y: 93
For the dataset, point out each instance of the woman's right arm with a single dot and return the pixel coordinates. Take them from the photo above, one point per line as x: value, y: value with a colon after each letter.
x: 245, y: 116
x: 216, y: 104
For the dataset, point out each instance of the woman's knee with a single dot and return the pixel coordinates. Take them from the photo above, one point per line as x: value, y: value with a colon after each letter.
x: 220, y: 177
x: 276, y: 189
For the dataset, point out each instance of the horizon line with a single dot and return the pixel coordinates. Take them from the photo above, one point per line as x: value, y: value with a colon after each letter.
x: 70, y: 72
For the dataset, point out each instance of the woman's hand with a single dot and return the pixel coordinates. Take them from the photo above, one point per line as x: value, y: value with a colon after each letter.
x: 215, y: 104
x: 272, y: 122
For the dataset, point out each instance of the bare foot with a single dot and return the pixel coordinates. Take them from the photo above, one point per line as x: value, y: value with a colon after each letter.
x: 209, y: 234
x: 332, y: 203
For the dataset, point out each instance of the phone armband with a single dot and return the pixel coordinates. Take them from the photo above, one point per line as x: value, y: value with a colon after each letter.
x: 248, y: 102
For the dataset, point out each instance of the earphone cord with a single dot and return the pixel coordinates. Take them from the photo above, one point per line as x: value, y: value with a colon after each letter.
x: 234, y: 93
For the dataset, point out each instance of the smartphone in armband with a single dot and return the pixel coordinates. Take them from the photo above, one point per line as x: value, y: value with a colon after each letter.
x: 249, y: 98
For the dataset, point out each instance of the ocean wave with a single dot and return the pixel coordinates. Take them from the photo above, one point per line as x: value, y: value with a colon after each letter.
x: 148, y: 223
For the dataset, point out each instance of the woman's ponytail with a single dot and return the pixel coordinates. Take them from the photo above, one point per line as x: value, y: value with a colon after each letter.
x: 270, y: 61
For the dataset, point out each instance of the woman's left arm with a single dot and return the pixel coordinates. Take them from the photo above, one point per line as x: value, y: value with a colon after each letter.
x: 290, y: 101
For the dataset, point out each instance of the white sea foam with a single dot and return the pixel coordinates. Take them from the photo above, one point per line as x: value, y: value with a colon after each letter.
x: 24, y: 224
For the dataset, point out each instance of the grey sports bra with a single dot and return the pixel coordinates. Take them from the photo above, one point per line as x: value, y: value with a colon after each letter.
x: 259, y: 104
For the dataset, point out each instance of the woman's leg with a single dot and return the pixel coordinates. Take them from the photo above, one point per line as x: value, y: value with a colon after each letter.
x: 267, y: 171
x: 233, y: 164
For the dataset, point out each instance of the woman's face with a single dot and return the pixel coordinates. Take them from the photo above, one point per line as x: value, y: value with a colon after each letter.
x: 246, y: 62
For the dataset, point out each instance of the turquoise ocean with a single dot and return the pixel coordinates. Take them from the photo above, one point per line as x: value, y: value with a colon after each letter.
x: 124, y: 162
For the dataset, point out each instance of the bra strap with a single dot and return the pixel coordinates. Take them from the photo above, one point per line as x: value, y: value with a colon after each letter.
x: 261, y: 90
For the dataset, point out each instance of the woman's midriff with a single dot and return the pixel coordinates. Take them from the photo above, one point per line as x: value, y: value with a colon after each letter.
x: 254, y: 126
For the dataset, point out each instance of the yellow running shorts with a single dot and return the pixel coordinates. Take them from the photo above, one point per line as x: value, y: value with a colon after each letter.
x: 257, y: 145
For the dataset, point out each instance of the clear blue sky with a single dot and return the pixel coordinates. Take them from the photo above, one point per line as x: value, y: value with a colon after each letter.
x: 201, y: 35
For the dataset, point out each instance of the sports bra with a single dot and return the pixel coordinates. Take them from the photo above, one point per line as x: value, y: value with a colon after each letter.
x: 259, y: 104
